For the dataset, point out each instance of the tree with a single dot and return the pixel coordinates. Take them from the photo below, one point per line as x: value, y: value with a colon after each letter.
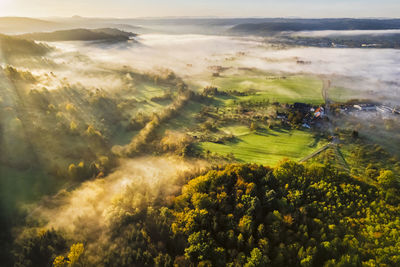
x: 256, y: 259
x: 75, y: 254
x: 253, y: 126
x: 74, y: 258
x: 387, y: 179
x: 61, y: 261
x: 39, y: 249
x: 200, y: 247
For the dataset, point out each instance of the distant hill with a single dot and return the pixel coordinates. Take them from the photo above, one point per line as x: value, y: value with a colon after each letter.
x: 279, y: 25
x: 257, y: 26
x: 105, y: 34
x: 130, y: 28
x: 22, y: 25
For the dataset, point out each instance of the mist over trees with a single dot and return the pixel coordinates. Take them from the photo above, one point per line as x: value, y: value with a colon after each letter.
x: 12, y: 46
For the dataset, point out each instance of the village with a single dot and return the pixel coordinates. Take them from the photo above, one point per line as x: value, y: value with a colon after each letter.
x: 314, y: 115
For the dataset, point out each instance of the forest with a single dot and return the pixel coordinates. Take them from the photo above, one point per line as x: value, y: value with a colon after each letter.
x: 240, y: 215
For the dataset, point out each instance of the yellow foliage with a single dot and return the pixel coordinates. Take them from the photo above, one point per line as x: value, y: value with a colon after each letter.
x: 75, y: 253
x: 245, y: 224
x: 41, y: 232
x: 288, y: 219
x: 51, y: 107
x: 91, y: 131
x: 59, y: 115
x: 73, y: 126
x: 70, y: 107
x: 250, y: 188
x: 377, y: 235
x: 71, y: 168
x: 61, y: 261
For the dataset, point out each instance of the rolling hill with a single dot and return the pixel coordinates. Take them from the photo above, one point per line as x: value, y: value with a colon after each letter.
x: 12, y: 46
x: 10, y: 25
x: 105, y: 34
x: 279, y: 25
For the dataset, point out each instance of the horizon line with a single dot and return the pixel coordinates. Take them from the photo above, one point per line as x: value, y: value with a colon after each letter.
x: 194, y: 17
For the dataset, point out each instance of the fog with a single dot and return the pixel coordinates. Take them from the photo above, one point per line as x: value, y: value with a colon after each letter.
x: 190, y: 56
x: 93, y: 200
x: 87, y: 212
x: 162, y: 51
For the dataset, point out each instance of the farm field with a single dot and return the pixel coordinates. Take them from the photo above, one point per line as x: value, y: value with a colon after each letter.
x: 341, y: 94
x: 289, y: 89
x: 265, y: 147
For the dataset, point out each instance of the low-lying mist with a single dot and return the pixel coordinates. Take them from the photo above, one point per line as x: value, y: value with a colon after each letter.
x: 86, y: 212
x: 94, y: 65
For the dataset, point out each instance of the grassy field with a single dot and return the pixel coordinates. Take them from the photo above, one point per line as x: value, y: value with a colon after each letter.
x: 341, y: 94
x: 185, y: 120
x: 265, y: 147
x: 285, y: 90
x: 147, y: 91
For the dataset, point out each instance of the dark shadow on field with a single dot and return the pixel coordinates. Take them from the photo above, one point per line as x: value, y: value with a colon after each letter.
x: 235, y: 140
x: 317, y: 139
x: 218, y: 100
x: 265, y: 132
x: 282, y: 130
x: 270, y: 132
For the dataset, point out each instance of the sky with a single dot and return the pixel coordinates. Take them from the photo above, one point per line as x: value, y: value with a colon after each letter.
x: 220, y: 8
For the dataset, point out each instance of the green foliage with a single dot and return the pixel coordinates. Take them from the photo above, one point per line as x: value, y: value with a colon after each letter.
x: 245, y: 215
x: 39, y: 249
x: 387, y: 179
x: 292, y: 215
x: 74, y: 258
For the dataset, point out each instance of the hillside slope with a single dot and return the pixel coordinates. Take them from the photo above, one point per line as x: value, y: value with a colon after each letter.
x: 108, y: 34
x: 12, y: 46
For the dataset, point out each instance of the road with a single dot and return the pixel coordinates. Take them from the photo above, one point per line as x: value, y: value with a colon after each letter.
x: 326, y: 84
x: 316, y: 153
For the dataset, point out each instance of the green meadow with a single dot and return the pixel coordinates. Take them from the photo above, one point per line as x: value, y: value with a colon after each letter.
x: 265, y: 147
x: 289, y: 89
x: 341, y: 94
